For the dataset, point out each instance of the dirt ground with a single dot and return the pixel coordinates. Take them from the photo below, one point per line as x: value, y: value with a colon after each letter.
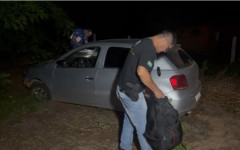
x: 212, y: 125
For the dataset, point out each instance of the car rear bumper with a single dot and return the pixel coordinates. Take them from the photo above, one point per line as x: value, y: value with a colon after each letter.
x: 184, y: 105
x: 184, y: 100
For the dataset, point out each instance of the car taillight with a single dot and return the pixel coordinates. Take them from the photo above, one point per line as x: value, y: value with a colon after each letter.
x: 179, y: 82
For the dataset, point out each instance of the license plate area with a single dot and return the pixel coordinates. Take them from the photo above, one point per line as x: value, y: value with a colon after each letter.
x: 197, y: 97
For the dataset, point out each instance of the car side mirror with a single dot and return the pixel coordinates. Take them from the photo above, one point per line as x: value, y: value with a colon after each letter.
x: 61, y: 63
x: 158, y: 71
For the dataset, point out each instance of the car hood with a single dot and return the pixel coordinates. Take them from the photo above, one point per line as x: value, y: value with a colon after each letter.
x: 42, y: 65
x: 39, y: 71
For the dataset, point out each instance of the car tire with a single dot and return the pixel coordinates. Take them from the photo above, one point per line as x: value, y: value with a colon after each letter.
x: 41, y: 91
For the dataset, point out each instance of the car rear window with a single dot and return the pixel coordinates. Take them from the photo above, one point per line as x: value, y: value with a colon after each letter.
x: 178, y: 57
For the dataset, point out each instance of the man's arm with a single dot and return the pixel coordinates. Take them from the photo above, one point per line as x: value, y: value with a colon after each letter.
x: 147, y: 80
x: 74, y: 39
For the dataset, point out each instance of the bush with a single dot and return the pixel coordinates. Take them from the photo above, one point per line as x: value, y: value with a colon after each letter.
x: 233, y: 69
x: 5, y: 83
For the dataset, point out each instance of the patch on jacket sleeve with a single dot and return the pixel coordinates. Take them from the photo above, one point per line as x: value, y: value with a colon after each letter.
x: 149, y: 63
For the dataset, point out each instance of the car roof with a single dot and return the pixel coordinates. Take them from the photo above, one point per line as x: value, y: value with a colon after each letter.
x: 125, y: 41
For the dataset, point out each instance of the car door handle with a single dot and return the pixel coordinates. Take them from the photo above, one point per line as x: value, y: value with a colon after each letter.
x: 89, y: 78
x: 158, y: 71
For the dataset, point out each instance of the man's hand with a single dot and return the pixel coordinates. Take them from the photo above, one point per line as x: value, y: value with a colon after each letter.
x: 147, y: 80
x: 74, y: 39
x: 159, y: 94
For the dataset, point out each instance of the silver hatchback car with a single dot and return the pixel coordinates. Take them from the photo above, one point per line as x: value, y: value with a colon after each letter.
x: 88, y: 75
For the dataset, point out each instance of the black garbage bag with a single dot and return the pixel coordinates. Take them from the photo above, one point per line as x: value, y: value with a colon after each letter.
x: 163, y: 130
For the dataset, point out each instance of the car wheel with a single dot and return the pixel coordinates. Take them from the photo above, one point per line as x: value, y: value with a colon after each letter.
x: 41, y: 91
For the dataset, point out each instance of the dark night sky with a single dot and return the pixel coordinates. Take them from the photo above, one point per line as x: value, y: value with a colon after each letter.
x: 111, y: 19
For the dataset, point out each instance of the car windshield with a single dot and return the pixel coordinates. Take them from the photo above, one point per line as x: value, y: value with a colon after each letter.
x: 87, y: 53
x: 85, y: 58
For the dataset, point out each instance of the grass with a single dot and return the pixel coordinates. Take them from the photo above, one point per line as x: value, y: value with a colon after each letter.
x: 13, y: 107
x: 181, y: 147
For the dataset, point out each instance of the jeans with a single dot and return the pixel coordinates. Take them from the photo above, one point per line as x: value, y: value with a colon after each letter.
x: 134, y: 118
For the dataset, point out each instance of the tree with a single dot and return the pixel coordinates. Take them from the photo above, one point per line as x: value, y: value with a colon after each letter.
x: 17, y: 15
x: 33, y: 28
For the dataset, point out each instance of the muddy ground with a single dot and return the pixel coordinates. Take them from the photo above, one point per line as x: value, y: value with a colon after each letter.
x: 212, y: 125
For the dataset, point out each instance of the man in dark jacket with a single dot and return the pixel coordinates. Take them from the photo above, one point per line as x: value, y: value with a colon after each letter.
x: 134, y: 77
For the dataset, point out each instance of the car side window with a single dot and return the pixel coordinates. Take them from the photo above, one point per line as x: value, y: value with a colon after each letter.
x: 84, y: 58
x: 116, y: 57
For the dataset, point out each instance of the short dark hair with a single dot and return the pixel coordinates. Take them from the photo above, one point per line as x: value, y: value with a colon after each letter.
x: 89, y: 29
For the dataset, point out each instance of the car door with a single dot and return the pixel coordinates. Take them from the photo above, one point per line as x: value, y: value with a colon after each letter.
x: 107, y: 76
x: 74, y: 77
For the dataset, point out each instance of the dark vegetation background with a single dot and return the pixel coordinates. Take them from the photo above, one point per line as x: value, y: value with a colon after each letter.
x: 40, y: 30
x: 33, y: 32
